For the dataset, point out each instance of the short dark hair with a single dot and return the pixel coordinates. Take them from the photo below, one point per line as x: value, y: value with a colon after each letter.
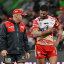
x: 44, y: 8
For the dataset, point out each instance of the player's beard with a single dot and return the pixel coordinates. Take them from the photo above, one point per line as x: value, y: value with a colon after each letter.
x: 43, y: 17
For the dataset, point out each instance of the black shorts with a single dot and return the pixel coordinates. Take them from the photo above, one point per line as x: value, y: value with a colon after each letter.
x: 11, y: 58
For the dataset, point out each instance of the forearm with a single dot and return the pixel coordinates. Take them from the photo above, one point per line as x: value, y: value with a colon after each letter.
x: 47, y: 32
x: 59, y: 36
x: 41, y: 33
x: 58, y: 39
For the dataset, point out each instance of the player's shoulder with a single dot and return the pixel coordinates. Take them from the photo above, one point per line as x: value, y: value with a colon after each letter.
x: 36, y: 19
x: 6, y: 22
x: 50, y: 17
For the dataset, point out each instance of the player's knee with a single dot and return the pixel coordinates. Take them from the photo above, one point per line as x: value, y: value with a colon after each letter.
x: 53, y: 63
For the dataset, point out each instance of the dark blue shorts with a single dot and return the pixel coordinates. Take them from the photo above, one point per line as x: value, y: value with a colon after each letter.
x: 11, y: 58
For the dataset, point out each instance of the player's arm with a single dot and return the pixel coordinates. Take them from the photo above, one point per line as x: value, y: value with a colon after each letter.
x: 26, y: 46
x: 59, y: 34
x: 3, y: 40
x: 36, y: 33
x: 25, y: 39
x: 59, y: 31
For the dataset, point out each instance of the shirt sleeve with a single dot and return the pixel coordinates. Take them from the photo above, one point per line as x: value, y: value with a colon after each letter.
x: 35, y: 25
x: 26, y: 46
x: 35, y: 22
x: 3, y: 39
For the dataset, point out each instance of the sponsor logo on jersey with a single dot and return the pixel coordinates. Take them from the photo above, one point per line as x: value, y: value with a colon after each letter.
x: 46, y: 23
x: 22, y: 27
x: 11, y: 27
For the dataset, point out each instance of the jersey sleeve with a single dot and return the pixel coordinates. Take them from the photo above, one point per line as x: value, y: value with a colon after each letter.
x: 35, y: 26
x: 35, y: 22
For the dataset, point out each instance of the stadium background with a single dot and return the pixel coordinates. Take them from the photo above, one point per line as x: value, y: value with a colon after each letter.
x: 31, y: 7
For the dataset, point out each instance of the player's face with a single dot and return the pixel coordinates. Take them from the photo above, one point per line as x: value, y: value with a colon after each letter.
x: 19, y: 17
x: 43, y: 14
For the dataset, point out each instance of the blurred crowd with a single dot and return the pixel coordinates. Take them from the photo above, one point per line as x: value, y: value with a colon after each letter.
x: 31, y: 7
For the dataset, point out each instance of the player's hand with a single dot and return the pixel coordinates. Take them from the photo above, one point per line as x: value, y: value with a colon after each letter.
x: 4, y: 53
x: 27, y: 55
x: 55, y: 43
x: 50, y: 30
x: 36, y: 33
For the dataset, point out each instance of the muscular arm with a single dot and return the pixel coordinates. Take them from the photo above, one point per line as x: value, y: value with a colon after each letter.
x: 59, y: 33
x: 59, y: 36
x: 37, y: 33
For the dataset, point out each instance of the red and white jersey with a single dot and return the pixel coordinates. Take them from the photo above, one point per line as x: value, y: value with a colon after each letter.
x: 43, y: 25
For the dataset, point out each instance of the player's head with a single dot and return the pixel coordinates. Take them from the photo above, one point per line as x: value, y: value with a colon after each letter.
x: 17, y: 15
x: 43, y: 11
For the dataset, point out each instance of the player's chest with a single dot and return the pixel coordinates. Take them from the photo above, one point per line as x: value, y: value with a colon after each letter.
x: 15, y: 27
x: 46, y: 22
